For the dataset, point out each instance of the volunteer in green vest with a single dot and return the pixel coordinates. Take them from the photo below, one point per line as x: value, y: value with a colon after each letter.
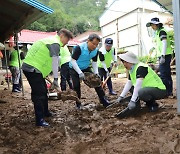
x: 15, y: 69
x: 65, y: 70
x: 147, y: 85
x: 164, y: 52
x: 107, y: 55
x: 42, y: 59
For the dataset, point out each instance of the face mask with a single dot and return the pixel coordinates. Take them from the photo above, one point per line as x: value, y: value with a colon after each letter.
x: 151, y: 32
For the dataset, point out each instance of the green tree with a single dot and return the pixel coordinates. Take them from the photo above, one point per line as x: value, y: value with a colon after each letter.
x: 76, y: 15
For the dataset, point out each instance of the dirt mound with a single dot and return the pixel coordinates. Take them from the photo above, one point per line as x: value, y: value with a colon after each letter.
x: 92, y: 80
x: 94, y: 131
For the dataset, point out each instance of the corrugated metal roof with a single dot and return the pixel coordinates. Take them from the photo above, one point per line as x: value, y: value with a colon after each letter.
x: 15, y: 15
x: 30, y: 36
x: 38, y: 5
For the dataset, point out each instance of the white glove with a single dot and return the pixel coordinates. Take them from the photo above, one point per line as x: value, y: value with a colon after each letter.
x: 81, y: 76
x: 55, y: 85
x: 107, y: 73
x: 55, y: 82
x: 97, y: 74
x: 131, y: 105
x: 162, y: 59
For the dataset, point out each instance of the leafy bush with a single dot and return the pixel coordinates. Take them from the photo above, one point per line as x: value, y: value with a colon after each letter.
x: 147, y: 59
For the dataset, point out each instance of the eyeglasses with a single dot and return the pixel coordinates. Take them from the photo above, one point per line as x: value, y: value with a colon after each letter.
x: 94, y: 44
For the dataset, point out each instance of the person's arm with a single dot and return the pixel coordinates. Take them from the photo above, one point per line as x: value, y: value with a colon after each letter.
x: 141, y: 74
x: 163, y: 37
x: 94, y: 64
x: 75, y: 66
x: 55, y: 65
x: 95, y: 67
x: 75, y: 57
x: 54, y: 50
x: 126, y: 88
x: 164, y: 47
x: 22, y: 56
x: 114, y: 56
x: 102, y: 59
x: 137, y: 87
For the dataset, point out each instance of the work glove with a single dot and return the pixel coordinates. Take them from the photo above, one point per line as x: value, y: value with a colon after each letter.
x: 55, y: 82
x: 151, y: 50
x: 115, y: 64
x: 81, y: 76
x: 55, y: 85
x: 97, y: 74
x: 107, y: 73
x: 131, y: 105
x: 162, y: 59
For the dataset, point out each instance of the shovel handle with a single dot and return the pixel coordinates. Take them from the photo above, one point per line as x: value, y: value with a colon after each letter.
x: 105, y: 81
x: 59, y: 91
x: 49, y: 80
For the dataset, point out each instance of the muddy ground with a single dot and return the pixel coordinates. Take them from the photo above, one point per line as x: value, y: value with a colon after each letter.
x: 91, y: 131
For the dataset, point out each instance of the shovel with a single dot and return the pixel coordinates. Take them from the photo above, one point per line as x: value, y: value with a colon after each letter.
x: 63, y: 95
x: 105, y: 81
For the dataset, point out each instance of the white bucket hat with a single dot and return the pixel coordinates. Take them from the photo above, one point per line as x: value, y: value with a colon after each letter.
x: 153, y: 21
x: 129, y: 57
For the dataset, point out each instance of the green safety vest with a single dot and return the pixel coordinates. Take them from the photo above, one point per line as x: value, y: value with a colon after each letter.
x: 159, y: 43
x: 150, y: 80
x: 39, y: 57
x: 14, y: 58
x: 108, y: 56
x: 65, y: 55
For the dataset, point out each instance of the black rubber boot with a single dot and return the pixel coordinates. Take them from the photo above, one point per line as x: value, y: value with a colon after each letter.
x: 42, y: 123
x: 152, y: 106
x: 19, y: 87
x: 111, y: 92
x: 104, y: 101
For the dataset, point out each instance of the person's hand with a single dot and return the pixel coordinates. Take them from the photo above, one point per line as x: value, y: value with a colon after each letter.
x: 55, y: 82
x: 151, y: 50
x: 131, y: 105
x: 115, y: 64
x: 81, y: 76
x: 55, y: 85
x: 162, y: 59
x: 97, y: 74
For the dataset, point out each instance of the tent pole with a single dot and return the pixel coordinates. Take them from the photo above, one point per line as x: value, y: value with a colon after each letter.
x: 176, y: 15
x: 5, y: 51
x: 16, y: 41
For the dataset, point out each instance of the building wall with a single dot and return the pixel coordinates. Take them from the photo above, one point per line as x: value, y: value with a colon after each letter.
x: 126, y: 24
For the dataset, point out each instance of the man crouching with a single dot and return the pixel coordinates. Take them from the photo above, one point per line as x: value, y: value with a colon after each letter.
x: 148, y: 86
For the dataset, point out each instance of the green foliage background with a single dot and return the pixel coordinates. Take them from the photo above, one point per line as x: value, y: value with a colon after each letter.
x: 76, y: 15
